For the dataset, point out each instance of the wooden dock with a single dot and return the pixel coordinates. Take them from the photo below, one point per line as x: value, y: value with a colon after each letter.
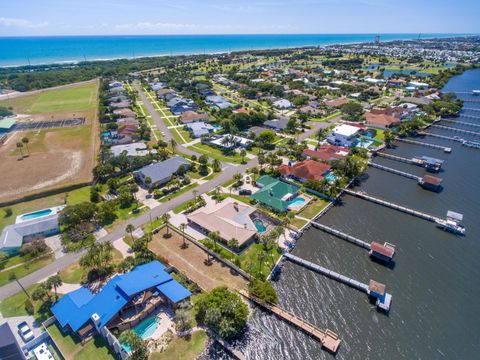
x: 341, y: 235
x: 329, y: 340
x: 434, y: 146
x: 461, y: 122
x: 236, y: 353
x: 391, y: 205
x: 451, y: 128
x: 412, y: 161
x: 444, y: 137
x: 394, y: 171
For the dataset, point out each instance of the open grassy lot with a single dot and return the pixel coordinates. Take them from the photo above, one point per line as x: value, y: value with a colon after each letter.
x: 25, y: 269
x: 216, y: 153
x: 15, y: 306
x: 80, y: 97
x: 72, y: 348
x: 53, y: 157
x: 313, y: 208
x: 183, y: 348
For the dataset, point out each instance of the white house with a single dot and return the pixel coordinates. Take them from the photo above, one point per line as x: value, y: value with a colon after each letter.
x: 343, y: 135
x: 418, y: 85
x: 282, y: 104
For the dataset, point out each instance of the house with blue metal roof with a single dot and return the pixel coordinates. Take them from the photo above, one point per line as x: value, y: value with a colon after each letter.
x: 122, y: 303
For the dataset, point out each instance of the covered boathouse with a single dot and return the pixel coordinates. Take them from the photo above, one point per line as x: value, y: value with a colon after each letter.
x: 124, y: 301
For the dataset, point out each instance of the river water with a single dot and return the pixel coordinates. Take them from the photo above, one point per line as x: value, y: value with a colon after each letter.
x: 435, y: 281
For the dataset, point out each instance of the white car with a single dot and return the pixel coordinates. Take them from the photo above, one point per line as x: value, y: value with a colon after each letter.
x: 25, y: 332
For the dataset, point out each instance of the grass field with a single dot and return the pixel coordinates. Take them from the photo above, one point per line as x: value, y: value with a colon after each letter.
x: 25, y: 269
x: 78, y: 98
x: 72, y: 348
x: 55, y: 157
x: 183, y: 348
x: 216, y: 153
x: 15, y: 306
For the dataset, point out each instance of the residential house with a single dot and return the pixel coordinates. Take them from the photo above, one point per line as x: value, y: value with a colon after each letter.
x: 231, y: 218
x: 283, y: 104
x: 125, y: 300
x: 305, y: 170
x: 7, y: 124
x: 274, y: 193
x: 326, y: 153
x: 197, y: 129
x: 218, y: 101
x: 257, y: 130
x: 383, y: 118
x: 343, y: 135
x: 124, y: 112
x: 160, y: 172
x: 228, y: 141
x: 277, y: 124
x: 336, y: 103
x: 134, y: 149
x: 192, y: 116
x: 162, y: 93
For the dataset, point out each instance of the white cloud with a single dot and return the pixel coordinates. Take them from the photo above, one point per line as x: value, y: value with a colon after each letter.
x: 20, y: 23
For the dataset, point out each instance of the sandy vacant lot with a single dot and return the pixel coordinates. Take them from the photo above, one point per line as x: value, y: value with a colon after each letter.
x: 56, y: 157
x: 191, y: 262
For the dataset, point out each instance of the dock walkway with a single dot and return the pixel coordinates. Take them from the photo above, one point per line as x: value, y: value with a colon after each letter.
x: 434, y: 146
x: 451, y: 128
x: 394, y: 171
x: 329, y: 340
x: 461, y: 122
x: 412, y: 161
x: 341, y: 235
x: 391, y: 205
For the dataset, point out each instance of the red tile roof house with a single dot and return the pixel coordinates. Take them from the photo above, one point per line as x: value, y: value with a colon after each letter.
x: 305, y: 170
x: 383, y: 118
x: 192, y: 116
x: 326, y: 153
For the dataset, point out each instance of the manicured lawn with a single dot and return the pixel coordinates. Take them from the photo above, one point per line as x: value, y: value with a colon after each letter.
x: 313, y: 208
x: 216, y: 153
x: 380, y: 135
x: 25, y: 269
x: 73, y: 274
x: 298, y: 223
x: 80, y: 97
x: 183, y: 348
x: 15, y: 306
x: 72, y: 348
x: 250, y: 262
x: 326, y: 118
x: 74, y: 197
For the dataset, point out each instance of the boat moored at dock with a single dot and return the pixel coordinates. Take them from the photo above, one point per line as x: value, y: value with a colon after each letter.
x: 452, y: 223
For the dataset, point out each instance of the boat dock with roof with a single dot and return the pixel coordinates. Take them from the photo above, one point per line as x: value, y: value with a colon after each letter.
x: 374, y: 289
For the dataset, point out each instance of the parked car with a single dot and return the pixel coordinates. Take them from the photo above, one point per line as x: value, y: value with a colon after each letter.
x: 25, y: 331
x: 244, y: 192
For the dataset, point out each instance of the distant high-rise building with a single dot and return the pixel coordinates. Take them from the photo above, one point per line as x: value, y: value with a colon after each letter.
x: 377, y: 39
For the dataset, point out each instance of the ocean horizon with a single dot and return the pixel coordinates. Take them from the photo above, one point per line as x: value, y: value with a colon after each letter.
x: 42, y: 50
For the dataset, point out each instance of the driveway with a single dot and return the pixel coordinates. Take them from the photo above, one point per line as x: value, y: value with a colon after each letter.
x: 14, y: 321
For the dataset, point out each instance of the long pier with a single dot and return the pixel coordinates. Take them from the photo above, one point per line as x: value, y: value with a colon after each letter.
x: 342, y: 235
x: 329, y: 340
x: 383, y: 303
x: 412, y: 161
x: 444, y: 137
x: 471, y: 109
x: 391, y: 205
x: 394, y: 171
x: 434, y: 146
x: 451, y: 128
x: 470, y: 116
x: 461, y: 122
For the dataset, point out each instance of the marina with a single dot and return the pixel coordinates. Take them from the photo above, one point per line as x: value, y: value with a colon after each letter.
x: 461, y: 122
x: 450, y: 128
x: 394, y: 171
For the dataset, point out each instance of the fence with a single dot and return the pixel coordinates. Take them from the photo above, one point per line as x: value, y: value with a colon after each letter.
x: 114, y: 344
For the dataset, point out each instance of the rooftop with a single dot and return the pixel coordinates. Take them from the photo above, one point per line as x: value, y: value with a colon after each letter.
x: 272, y: 193
x: 346, y: 130
x: 307, y: 169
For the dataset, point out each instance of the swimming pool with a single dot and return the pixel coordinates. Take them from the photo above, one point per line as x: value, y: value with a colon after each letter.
x: 330, y: 177
x: 36, y: 214
x: 261, y: 228
x: 296, y: 202
x: 145, y: 329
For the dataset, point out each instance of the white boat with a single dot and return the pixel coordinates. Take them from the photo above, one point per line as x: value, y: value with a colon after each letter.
x: 475, y: 92
x: 452, y: 223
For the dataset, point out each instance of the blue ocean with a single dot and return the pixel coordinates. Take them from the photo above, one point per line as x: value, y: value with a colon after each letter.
x: 16, y: 51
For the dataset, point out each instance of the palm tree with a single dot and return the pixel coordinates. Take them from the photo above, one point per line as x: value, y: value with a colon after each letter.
x: 254, y: 173
x: 20, y: 146
x: 26, y: 141
x: 195, y: 192
x: 165, y: 218
x: 130, y: 229
x: 215, y: 236
x: 243, y: 153
x: 173, y: 144
x: 183, y: 226
x: 54, y: 282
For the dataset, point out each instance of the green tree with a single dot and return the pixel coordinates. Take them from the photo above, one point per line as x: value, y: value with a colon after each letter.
x: 54, y: 282
x: 388, y: 137
x: 173, y: 144
x: 136, y: 344
x: 165, y: 220
x: 216, y: 165
x: 41, y: 293
x: 263, y: 290
x: 130, y: 229
x: 222, y: 310
x: 26, y: 141
x: 243, y: 153
x: 20, y: 147
x: 182, y: 227
x: 98, y: 259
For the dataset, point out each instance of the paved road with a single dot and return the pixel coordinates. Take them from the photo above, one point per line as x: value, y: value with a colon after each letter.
x: 228, y: 170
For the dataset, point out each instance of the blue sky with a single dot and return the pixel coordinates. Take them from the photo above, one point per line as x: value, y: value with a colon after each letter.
x: 105, y: 17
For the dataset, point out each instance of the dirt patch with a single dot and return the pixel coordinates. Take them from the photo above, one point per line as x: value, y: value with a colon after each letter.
x: 192, y: 262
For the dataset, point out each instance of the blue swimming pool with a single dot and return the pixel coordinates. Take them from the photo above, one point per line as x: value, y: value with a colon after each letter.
x: 36, y: 214
x: 145, y: 329
x: 261, y: 228
x: 330, y: 177
x: 296, y: 202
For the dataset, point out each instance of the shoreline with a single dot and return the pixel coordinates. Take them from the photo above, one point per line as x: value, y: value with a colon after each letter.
x: 196, y: 53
